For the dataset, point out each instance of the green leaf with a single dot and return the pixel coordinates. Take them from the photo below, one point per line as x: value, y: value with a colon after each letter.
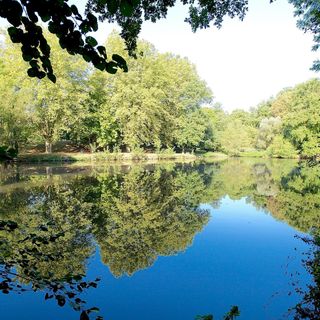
x: 111, y: 67
x: 120, y: 61
x: 16, y: 34
x: 91, y: 41
x: 126, y: 8
x: 27, y: 57
x: 112, y: 6
x: 102, y: 51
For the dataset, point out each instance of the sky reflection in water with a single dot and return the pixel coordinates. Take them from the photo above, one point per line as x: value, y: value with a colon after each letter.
x: 194, y: 239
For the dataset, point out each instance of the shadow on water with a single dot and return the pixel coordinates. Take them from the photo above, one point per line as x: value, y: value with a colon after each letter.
x: 51, y: 224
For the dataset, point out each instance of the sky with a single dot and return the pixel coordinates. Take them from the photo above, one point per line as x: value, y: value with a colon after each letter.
x: 244, y: 62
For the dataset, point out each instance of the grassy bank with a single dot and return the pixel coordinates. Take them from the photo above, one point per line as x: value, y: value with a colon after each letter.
x: 264, y: 154
x: 102, y: 157
x: 138, y: 156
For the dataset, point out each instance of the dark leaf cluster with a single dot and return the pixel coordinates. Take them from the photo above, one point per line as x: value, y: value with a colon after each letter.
x: 66, y: 23
x: 309, y: 306
x: 308, y: 13
x: 71, y: 28
x: 130, y: 14
x: 19, y: 272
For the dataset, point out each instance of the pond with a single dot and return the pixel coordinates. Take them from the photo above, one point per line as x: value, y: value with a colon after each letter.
x: 155, y: 241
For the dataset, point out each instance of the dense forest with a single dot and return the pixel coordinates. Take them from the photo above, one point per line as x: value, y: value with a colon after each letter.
x: 160, y: 104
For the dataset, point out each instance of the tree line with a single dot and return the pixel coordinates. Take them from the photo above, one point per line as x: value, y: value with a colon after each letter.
x: 161, y: 104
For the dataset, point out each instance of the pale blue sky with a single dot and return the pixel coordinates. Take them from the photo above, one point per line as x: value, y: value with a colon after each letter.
x: 244, y: 62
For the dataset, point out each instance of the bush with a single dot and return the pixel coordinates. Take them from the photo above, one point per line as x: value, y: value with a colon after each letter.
x: 281, y: 148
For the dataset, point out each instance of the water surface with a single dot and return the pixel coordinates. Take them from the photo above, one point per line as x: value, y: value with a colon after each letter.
x: 169, y: 241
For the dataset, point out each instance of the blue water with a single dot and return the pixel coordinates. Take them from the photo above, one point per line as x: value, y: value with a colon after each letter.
x: 242, y: 257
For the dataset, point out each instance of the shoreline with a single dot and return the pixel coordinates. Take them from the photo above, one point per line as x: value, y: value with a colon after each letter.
x: 104, y: 157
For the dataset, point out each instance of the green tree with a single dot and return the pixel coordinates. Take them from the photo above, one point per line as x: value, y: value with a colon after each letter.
x: 300, y: 112
x: 140, y: 109
x: 309, y: 21
x: 192, y: 131
x: 281, y: 148
x: 215, y: 123
x: 268, y: 129
x: 72, y: 29
x: 15, y: 97
x: 50, y: 108
x: 236, y: 137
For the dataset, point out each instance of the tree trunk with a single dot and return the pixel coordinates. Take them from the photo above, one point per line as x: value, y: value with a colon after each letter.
x: 48, y: 146
x: 49, y: 172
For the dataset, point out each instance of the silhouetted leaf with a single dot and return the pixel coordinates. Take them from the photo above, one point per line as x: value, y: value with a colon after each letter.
x: 61, y: 300
x: 84, y: 316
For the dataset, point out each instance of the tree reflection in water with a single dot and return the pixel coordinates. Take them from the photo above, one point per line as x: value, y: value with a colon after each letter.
x: 48, y: 234
x: 52, y: 223
x: 309, y: 306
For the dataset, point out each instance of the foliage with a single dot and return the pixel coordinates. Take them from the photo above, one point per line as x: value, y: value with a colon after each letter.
x: 300, y: 109
x: 145, y: 111
x: 309, y: 307
x: 235, y: 137
x: 191, y: 131
x: 7, y: 153
x: 72, y: 29
x: 51, y: 109
x: 141, y: 109
x: 231, y: 315
x: 66, y: 23
x: 309, y: 20
x: 21, y: 266
x: 268, y: 128
x: 281, y: 148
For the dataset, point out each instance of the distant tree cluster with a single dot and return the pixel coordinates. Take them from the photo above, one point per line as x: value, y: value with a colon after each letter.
x: 285, y: 126
x: 161, y: 104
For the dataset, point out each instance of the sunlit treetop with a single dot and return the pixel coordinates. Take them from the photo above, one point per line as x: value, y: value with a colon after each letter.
x: 73, y: 29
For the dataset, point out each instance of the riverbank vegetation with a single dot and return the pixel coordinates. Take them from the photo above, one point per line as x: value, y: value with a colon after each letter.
x: 160, y: 107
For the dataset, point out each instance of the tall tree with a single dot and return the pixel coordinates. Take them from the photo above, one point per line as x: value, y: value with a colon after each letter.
x: 300, y: 110
x: 50, y: 108
x: 142, y: 108
x: 268, y: 129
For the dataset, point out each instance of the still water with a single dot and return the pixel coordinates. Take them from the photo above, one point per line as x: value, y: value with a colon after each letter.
x: 168, y: 241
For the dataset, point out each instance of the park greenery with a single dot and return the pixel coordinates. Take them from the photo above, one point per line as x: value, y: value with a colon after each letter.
x: 160, y: 106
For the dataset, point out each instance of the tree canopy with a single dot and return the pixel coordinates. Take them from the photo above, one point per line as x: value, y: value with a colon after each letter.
x: 73, y: 29
x: 145, y: 110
